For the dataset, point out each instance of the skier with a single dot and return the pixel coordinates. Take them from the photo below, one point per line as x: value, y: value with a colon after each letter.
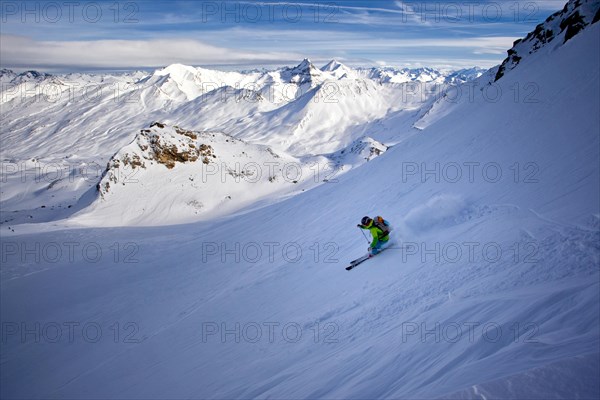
x: 380, y: 230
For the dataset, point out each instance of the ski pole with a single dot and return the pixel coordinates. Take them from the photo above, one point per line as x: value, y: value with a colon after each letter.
x: 366, y: 238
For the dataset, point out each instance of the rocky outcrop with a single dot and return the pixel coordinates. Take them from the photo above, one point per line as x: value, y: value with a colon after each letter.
x: 572, y: 19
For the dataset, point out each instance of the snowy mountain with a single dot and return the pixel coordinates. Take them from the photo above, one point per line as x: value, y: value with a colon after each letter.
x: 8, y: 76
x: 204, y: 175
x: 429, y: 75
x: 160, y: 286
x: 576, y: 16
x: 304, y: 73
x: 339, y: 70
x: 185, y: 83
x: 464, y: 75
x: 557, y: 29
x: 196, y: 173
x: 76, y: 122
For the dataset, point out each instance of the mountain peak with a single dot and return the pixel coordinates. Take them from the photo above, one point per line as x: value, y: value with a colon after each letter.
x: 7, y: 75
x: 305, y: 72
x: 333, y: 65
x: 31, y: 75
x: 339, y: 70
x: 175, y: 70
x: 305, y: 66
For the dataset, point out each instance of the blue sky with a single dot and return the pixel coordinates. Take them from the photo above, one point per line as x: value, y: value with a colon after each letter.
x: 118, y: 35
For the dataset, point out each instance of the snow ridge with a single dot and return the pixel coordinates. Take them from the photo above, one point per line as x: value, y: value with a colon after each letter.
x: 565, y: 24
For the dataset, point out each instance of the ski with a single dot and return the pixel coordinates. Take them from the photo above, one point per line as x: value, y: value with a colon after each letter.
x: 364, y: 258
x: 357, y: 262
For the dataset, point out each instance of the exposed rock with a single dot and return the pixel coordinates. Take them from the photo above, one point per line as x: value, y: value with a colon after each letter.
x: 572, y: 19
x: 158, y: 144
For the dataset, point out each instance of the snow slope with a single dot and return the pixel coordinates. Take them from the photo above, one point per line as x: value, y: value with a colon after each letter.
x: 495, y: 293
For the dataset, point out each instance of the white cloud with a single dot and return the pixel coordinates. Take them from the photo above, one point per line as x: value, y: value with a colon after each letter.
x: 353, y: 41
x: 22, y: 51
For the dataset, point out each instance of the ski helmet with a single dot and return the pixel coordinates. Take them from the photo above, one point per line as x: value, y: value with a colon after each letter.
x: 366, y: 221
